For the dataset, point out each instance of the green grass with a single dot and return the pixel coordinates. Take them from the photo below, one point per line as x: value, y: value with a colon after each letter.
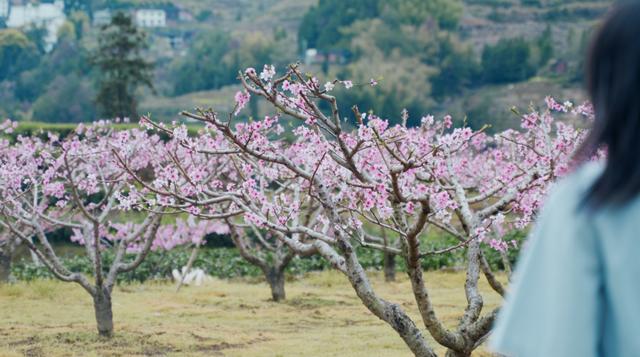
x: 322, y: 317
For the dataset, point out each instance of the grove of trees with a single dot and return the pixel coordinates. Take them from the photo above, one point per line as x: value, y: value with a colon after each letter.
x: 327, y: 186
x: 422, y: 38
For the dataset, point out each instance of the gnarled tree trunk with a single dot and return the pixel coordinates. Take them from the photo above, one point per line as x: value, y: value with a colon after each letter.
x: 389, y: 267
x: 5, y: 265
x: 104, y: 313
x: 452, y: 353
x: 275, y: 278
x: 273, y: 269
x: 391, y: 313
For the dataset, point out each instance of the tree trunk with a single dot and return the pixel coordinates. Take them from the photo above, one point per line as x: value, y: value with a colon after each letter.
x: 104, y: 314
x: 5, y: 266
x: 275, y: 278
x: 386, y: 311
x: 389, y: 267
x: 452, y: 353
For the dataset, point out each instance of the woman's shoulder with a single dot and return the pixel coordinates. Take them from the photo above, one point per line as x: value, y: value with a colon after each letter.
x: 570, y: 190
x: 583, y: 177
x: 554, y: 295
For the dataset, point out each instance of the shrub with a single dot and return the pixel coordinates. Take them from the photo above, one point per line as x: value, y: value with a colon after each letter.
x: 507, y: 61
x: 226, y: 263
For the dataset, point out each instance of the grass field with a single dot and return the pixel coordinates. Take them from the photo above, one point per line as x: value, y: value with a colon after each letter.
x: 322, y: 317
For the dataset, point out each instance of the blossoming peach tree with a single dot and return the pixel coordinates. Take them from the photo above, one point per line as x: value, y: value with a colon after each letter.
x: 75, y: 183
x: 188, y: 175
x: 8, y: 242
x: 326, y: 187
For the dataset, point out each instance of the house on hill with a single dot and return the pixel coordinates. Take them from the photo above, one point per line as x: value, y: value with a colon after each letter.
x: 45, y: 15
x: 4, y: 8
x: 101, y: 17
x: 151, y: 18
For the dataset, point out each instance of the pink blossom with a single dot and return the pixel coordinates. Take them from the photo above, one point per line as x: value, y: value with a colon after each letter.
x: 427, y: 120
x: 241, y: 98
x: 267, y: 73
x: 448, y: 122
x: 410, y: 207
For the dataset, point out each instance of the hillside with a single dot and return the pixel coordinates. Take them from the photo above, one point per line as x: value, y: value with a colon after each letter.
x: 482, y: 23
x: 487, y: 21
x: 420, y: 67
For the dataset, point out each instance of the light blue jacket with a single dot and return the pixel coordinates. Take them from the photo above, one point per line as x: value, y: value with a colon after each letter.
x: 576, y: 289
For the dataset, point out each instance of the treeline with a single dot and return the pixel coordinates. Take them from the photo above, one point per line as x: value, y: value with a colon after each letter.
x: 73, y: 82
x: 51, y: 86
x: 413, y: 49
x: 215, y: 57
x: 86, y: 76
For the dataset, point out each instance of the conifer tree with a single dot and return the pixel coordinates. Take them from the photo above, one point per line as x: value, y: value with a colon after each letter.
x: 122, y: 66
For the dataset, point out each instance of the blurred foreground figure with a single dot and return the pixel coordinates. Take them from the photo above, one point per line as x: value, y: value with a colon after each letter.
x: 576, y: 291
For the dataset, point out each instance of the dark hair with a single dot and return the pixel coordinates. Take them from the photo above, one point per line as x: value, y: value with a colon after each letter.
x: 613, y: 83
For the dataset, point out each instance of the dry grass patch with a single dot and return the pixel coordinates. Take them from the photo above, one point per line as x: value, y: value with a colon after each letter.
x: 322, y: 317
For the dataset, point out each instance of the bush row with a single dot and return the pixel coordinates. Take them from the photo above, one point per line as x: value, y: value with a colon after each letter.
x: 227, y: 263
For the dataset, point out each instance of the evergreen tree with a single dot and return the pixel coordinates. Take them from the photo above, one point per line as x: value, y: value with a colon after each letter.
x: 122, y: 66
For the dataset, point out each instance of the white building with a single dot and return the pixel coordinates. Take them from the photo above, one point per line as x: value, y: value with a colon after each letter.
x: 101, y: 17
x: 49, y: 16
x: 151, y: 18
x: 4, y: 8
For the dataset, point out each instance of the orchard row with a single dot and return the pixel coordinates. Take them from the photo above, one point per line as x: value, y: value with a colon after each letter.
x: 325, y: 186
